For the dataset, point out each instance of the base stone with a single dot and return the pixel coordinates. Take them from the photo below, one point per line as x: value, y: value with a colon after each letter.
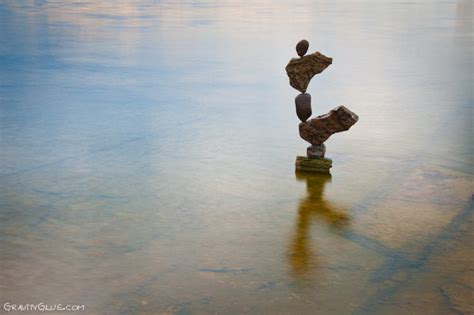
x: 315, y: 165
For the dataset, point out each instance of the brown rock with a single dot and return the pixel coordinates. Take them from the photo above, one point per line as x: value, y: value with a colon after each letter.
x: 302, y: 47
x: 319, y: 129
x: 301, y: 70
x: 303, y: 106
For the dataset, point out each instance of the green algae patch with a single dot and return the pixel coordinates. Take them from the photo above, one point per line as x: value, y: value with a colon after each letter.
x: 315, y: 165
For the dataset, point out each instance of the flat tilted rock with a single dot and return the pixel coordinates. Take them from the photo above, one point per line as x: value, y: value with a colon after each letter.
x: 319, y: 129
x: 301, y: 70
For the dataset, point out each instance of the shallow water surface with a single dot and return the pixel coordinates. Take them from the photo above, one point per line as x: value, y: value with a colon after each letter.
x: 147, y: 158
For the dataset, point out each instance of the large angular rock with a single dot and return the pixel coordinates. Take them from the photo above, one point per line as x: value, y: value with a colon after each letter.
x: 301, y: 70
x: 319, y: 129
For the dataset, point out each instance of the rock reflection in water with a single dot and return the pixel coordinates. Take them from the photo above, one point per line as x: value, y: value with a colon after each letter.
x: 314, y: 206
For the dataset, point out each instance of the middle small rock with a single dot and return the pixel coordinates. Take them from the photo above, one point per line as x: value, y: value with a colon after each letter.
x: 303, y: 106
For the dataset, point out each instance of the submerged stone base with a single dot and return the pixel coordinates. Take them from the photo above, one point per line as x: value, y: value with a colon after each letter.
x: 315, y: 165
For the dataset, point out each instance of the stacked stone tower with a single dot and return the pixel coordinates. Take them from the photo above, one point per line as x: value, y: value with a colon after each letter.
x: 317, y: 130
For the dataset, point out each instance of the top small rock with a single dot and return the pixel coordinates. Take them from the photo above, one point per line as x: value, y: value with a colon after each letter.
x: 302, y: 47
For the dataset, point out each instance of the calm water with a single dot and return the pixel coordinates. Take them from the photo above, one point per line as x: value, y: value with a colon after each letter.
x: 147, y: 158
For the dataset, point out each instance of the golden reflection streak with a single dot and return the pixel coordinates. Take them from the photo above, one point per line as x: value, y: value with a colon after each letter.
x: 301, y: 258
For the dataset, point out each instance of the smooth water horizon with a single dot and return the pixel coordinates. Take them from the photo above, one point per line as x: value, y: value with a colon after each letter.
x: 147, y: 154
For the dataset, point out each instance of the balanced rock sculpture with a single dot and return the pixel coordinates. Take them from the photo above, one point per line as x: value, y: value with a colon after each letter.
x: 317, y: 130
